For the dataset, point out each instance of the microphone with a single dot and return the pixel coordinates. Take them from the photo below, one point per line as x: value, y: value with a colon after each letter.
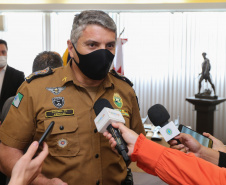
x: 105, y: 116
x: 159, y: 116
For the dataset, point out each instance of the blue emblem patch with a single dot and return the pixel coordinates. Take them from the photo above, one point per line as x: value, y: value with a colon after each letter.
x: 169, y: 131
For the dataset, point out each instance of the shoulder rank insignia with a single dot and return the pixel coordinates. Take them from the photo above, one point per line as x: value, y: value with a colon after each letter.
x: 121, y: 77
x: 44, y: 72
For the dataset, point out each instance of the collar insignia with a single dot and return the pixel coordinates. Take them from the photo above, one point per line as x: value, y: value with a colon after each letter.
x: 64, y: 79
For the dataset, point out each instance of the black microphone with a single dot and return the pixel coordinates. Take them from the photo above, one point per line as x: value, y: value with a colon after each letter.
x: 105, y: 116
x: 159, y: 116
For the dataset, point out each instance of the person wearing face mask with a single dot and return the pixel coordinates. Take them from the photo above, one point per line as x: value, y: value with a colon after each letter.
x: 78, y: 154
x: 10, y: 78
x: 10, y: 81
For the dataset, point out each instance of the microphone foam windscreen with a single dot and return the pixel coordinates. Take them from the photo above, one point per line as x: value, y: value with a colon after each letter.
x: 100, y: 104
x: 158, y: 115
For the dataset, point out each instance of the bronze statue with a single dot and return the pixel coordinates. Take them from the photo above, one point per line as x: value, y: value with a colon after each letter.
x: 205, y: 75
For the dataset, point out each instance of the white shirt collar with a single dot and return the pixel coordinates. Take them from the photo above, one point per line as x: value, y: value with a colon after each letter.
x: 4, y: 68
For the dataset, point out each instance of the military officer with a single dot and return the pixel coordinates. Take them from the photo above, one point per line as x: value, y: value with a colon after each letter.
x: 78, y: 154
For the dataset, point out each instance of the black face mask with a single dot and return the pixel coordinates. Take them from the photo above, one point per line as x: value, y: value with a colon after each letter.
x: 96, y: 64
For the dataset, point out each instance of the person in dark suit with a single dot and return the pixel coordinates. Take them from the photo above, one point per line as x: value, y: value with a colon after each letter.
x: 10, y: 78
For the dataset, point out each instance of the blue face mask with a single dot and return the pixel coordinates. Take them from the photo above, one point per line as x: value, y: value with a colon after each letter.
x: 96, y: 64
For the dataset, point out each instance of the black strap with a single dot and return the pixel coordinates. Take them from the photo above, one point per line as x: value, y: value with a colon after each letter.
x: 222, y: 159
x: 121, y: 77
x: 37, y: 74
x: 129, y: 178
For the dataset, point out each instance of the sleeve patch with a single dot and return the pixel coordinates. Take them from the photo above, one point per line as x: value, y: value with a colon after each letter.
x: 18, y: 98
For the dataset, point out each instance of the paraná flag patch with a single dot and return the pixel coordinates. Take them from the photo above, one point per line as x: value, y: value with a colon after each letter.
x: 17, y: 100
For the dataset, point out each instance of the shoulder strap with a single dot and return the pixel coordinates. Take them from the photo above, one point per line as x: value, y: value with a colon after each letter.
x: 37, y: 74
x: 121, y: 77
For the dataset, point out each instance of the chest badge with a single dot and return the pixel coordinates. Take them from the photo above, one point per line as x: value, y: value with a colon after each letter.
x: 62, y: 143
x: 58, y: 102
x: 124, y: 112
x: 117, y: 100
x: 55, y: 90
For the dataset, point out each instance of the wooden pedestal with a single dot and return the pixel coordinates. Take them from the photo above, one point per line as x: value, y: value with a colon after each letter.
x: 205, y: 113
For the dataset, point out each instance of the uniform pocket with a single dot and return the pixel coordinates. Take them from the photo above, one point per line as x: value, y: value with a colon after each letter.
x: 63, y: 140
x: 127, y: 121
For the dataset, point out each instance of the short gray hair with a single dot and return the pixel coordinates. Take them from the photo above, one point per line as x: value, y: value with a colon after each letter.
x: 89, y: 17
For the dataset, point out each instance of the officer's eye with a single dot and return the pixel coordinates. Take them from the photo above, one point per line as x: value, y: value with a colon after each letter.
x: 111, y: 46
x: 92, y: 45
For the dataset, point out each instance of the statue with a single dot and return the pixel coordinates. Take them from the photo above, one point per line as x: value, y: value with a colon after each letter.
x: 205, y: 75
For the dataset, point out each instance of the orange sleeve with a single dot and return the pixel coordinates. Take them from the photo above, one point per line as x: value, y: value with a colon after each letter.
x: 175, y: 167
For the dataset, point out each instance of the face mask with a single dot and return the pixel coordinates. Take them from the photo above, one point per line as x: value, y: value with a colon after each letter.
x: 96, y: 64
x: 3, y: 61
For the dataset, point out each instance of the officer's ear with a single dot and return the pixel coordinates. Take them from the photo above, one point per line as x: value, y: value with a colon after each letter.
x: 70, y: 48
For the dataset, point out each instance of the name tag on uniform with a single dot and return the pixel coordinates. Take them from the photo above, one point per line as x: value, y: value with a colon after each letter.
x: 58, y: 113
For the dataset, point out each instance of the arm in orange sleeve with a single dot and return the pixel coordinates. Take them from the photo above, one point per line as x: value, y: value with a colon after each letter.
x: 175, y: 167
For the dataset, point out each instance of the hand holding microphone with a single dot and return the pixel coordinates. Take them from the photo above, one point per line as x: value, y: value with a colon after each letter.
x: 106, y: 115
x: 129, y: 136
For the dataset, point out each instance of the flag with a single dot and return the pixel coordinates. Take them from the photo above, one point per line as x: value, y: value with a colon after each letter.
x: 118, y: 60
x: 66, y: 57
x: 17, y: 100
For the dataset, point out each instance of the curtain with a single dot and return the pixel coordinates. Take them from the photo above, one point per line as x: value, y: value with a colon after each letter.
x: 163, y: 58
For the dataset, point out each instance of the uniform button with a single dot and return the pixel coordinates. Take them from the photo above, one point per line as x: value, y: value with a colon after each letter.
x: 61, y: 127
x: 97, y: 155
x: 98, y: 182
x: 95, y: 130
